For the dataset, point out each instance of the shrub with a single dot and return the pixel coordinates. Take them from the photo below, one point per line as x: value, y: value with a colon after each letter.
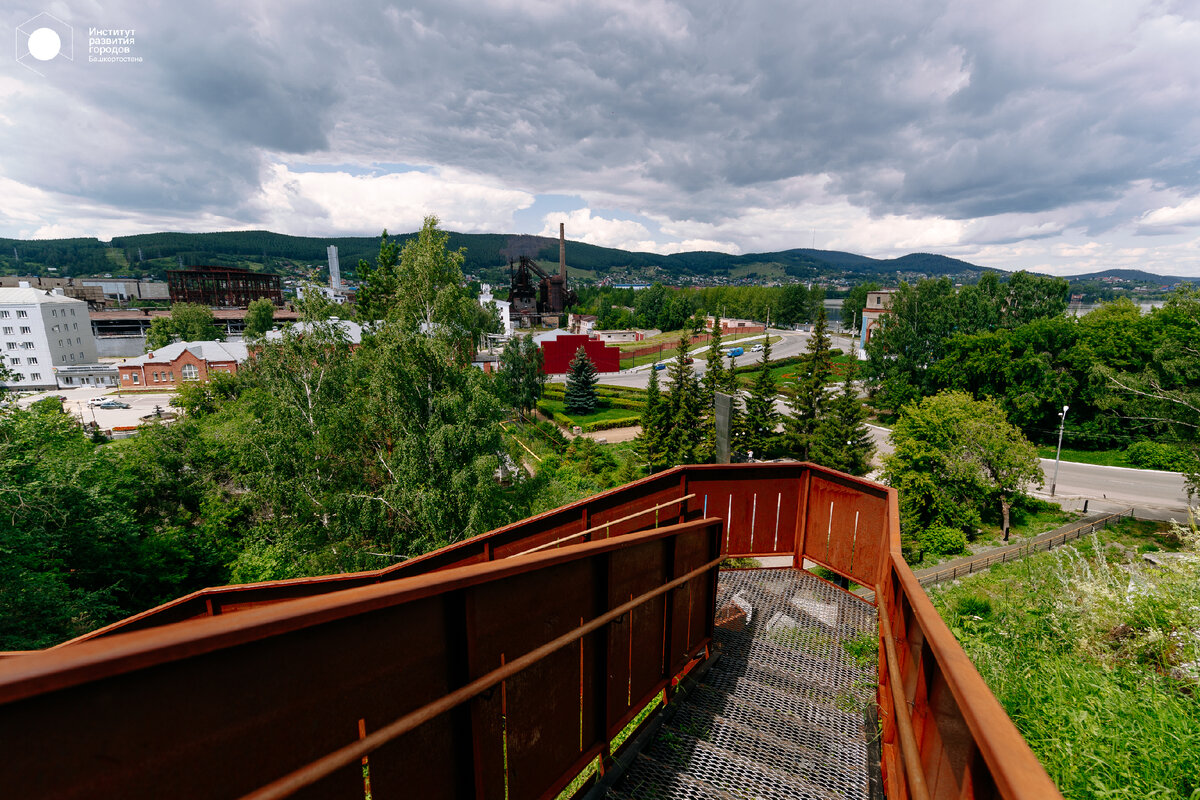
x: 607, y: 424
x: 943, y: 540
x: 1156, y: 455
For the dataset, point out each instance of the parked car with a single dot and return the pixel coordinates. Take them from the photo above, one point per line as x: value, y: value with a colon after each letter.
x: 114, y: 404
x: 756, y: 349
x: 660, y: 365
x: 689, y: 360
x: 95, y: 401
x: 734, y: 352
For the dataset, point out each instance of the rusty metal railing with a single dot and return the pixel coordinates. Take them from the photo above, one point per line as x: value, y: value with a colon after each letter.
x: 494, y: 680
x: 943, y: 733
x: 764, y: 507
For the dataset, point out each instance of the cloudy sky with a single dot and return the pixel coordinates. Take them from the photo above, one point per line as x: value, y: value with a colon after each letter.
x: 1058, y: 136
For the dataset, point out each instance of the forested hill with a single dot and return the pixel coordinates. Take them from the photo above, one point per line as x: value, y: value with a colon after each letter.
x: 150, y: 255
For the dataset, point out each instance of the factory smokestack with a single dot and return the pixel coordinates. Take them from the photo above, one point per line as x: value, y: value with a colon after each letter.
x: 562, y: 250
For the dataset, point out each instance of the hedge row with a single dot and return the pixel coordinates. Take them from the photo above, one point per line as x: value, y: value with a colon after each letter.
x: 610, y: 401
x: 607, y: 424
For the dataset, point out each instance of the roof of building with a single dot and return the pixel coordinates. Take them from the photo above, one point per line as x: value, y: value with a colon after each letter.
x: 352, y: 329
x: 9, y: 296
x: 550, y: 336
x: 281, y: 314
x: 208, y: 351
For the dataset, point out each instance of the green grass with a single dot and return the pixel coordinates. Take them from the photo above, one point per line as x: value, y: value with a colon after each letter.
x: 604, y: 413
x: 1104, y: 458
x: 786, y: 374
x: 1083, y: 665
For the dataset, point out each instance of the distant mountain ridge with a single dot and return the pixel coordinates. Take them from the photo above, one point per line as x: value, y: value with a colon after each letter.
x: 487, y: 255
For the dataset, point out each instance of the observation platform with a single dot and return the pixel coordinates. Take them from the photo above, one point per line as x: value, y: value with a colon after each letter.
x: 784, y: 712
x: 507, y: 667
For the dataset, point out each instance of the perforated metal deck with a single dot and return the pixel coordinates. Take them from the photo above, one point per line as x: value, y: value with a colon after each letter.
x: 781, y: 714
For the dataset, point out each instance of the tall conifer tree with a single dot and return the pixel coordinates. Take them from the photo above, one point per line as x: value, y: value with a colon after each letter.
x: 842, y: 440
x: 684, y: 411
x: 808, y: 404
x: 758, y: 426
x: 580, y: 396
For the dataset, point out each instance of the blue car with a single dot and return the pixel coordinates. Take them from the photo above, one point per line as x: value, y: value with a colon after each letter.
x: 660, y: 366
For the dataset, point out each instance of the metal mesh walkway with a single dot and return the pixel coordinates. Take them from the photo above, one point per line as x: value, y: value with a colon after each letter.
x: 781, y: 714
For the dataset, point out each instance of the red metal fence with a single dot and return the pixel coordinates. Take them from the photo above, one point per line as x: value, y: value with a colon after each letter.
x: 228, y: 682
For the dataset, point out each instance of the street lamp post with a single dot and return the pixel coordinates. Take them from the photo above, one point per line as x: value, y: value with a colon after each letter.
x: 1058, y: 453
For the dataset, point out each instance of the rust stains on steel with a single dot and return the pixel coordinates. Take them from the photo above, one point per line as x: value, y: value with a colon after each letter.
x: 311, y: 773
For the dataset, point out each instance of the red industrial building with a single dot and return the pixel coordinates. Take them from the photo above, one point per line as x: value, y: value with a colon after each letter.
x: 558, y: 352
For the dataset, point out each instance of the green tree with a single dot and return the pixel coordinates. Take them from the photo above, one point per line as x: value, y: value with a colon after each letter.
x: 521, y: 378
x: 189, y: 322
x: 953, y: 457
x: 684, y: 411
x: 259, y: 318
x: 842, y: 440
x: 795, y: 305
x: 580, y: 395
x: 651, y: 445
x: 758, y: 423
x: 808, y: 403
x: 379, y: 284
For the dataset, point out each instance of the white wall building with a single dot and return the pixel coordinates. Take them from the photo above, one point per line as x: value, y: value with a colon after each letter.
x: 41, y: 331
x: 505, y: 307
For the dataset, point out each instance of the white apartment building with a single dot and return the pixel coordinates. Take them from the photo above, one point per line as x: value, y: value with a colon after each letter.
x: 40, y: 331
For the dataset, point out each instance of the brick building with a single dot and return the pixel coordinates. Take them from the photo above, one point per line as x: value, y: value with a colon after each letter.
x: 170, y: 366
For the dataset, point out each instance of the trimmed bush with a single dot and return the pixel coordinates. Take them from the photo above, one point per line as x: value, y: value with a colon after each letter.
x: 943, y: 541
x: 1156, y: 455
x: 608, y: 424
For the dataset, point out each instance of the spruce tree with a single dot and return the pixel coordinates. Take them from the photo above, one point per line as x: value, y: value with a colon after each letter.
x: 684, y: 411
x: 809, y: 402
x: 842, y: 440
x: 758, y: 427
x: 713, y: 382
x: 650, y: 441
x: 580, y: 397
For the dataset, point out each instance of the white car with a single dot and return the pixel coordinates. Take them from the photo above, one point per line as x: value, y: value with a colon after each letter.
x: 95, y: 401
x: 756, y: 348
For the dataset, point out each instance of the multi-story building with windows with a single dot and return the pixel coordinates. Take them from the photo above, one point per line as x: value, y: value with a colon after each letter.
x: 41, y: 331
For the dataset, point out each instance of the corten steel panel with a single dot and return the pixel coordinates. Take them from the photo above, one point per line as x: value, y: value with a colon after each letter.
x: 223, y: 723
x: 636, y: 641
x: 535, y: 714
x: 840, y: 521
x: 691, y: 619
x: 220, y: 706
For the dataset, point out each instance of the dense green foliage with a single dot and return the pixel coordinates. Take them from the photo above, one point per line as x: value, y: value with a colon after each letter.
x: 580, y: 396
x: 260, y: 316
x: 953, y: 458
x: 521, y: 378
x: 757, y: 428
x: 1086, y: 650
x: 189, y: 322
x: 670, y: 309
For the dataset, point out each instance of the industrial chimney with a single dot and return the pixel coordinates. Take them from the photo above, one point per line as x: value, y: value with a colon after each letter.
x: 562, y: 250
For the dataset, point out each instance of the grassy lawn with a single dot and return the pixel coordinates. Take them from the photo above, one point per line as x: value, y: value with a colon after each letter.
x: 1090, y: 672
x: 604, y: 413
x: 1105, y: 458
x: 1025, y: 525
x: 787, y: 373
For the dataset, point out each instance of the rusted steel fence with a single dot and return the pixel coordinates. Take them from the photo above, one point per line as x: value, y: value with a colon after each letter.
x: 232, y: 702
x: 494, y: 680
x: 944, y: 733
x: 764, y: 507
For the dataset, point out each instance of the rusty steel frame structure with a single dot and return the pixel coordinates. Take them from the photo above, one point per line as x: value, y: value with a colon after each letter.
x: 493, y: 667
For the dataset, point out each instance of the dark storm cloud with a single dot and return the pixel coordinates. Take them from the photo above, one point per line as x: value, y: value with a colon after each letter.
x: 690, y: 112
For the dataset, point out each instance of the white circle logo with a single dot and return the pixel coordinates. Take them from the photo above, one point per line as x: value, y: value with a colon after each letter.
x: 44, y: 44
